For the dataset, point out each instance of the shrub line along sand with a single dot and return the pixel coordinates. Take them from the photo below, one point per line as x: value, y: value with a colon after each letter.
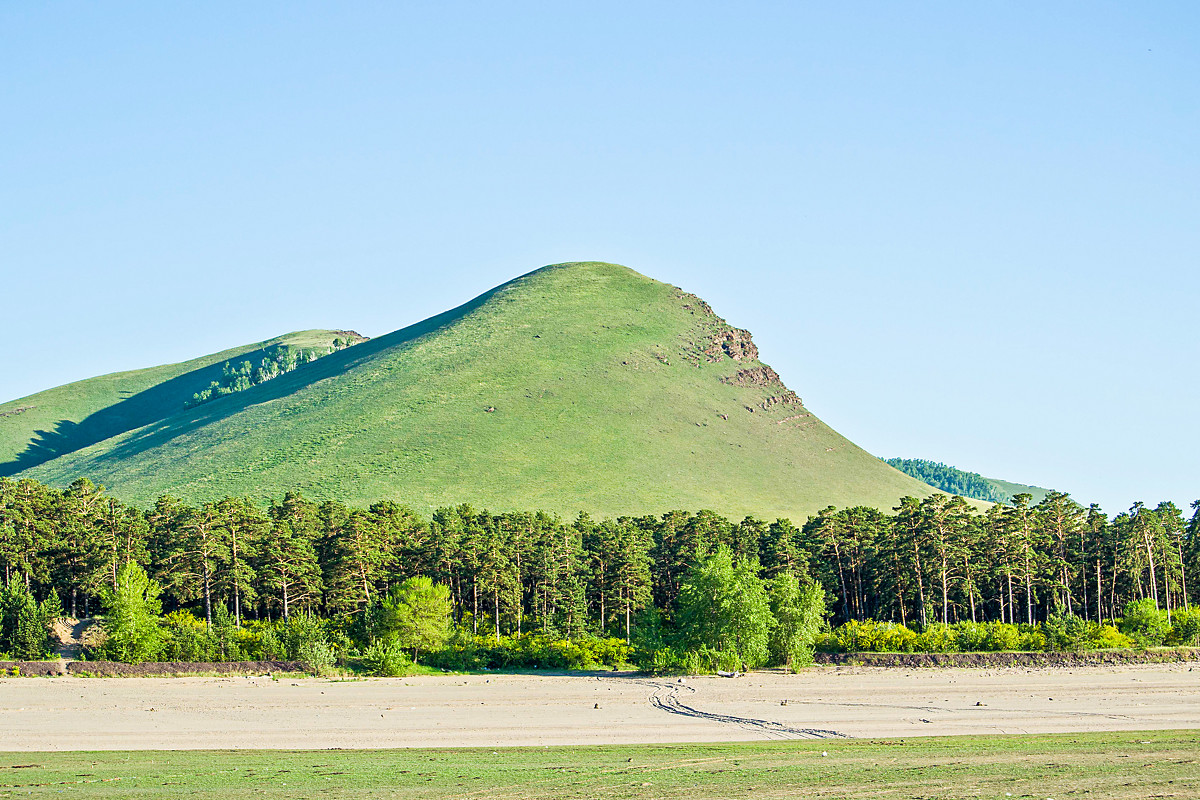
x: 69, y: 713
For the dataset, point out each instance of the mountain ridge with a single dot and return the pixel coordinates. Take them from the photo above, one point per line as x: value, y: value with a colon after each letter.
x: 575, y: 387
x: 56, y: 421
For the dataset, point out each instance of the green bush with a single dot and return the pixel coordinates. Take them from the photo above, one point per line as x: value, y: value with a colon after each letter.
x: 299, y: 637
x: 1145, y: 623
x: 970, y: 637
x: 936, y: 638
x: 1001, y: 636
x: 1068, y: 633
x: 1030, y: 637
x: 870, y: 636
x: 660, y: 660
x: 387, y: 658
x: 1109, y: 638
x: 1185, y: 628
x: 24, y: 623
x: 529, y: 651
x: 185, y: 638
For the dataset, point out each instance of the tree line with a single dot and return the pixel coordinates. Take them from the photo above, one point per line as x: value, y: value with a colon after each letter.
x: 931, y: 560
x: 951, y: 480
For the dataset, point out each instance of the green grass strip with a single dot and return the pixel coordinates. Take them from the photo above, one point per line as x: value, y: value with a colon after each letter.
x: 1093, y: 765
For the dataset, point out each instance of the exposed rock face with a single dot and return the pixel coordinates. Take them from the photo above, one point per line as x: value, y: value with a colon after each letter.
x: 720, y: 340
x: 733, y: 342
x: 768, y: 378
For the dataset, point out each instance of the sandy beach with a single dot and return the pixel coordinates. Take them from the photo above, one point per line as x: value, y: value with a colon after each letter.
x: 70, y: 713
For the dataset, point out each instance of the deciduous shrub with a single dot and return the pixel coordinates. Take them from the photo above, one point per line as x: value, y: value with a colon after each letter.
x: 1145, y: 623
x: 1001, y: 636
x: 1185, y: 628
x: 387, y: 658
x: 299, y: 637
x: 936, y: 638
x: 529, y: 651
x: 798, y: 609
x: 131, y: 611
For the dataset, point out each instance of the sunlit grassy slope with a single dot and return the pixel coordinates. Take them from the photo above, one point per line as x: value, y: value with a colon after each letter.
x: 1008, y: 489
x: 581, y: 386
x: 57, y: 421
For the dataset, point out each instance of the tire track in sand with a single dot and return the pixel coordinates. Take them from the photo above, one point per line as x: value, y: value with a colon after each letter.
x: 666, y: 697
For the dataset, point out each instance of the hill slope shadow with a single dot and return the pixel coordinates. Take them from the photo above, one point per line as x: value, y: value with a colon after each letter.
x: 137, y: 410
x: 161, y: 410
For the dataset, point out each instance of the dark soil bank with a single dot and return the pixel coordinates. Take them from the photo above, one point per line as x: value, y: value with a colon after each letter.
x: 1093, y: 657
x: 150, y: 668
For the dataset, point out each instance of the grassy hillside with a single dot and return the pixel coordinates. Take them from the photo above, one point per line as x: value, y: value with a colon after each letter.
x: 576, y: 387
x: 1007, y: 489
x: 58, y: 421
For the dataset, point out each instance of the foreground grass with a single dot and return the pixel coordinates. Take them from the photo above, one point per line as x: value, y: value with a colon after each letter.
x: 1098, y: 765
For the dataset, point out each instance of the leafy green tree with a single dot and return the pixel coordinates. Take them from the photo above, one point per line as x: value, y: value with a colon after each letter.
x: 782, y: 548
x: 1028, y: 538
x: 417, y: 614
x: 908, y: 526
x: 798, y: 608
x: 945, y: 521
x: 723, y: 606
x: 555, y: 575
x: 620, y: 575
x: 1191, y: 556
x: 678, y: 543
x: 1144, y: 622
x: 131, y: 612
x: 27, y: 533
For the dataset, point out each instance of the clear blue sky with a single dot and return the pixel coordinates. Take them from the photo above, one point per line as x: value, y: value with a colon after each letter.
x: 961, y: 231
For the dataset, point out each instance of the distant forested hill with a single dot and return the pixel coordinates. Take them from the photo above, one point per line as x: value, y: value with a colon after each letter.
x: 968, y: 484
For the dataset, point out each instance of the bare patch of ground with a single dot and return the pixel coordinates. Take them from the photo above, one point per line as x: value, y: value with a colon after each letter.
x: 71, y: 713
x: 75, y: 634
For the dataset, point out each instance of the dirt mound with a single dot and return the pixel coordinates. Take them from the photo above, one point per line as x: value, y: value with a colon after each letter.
x: 73, y: 635
x: 1092, y: 658
x: 112, y: 669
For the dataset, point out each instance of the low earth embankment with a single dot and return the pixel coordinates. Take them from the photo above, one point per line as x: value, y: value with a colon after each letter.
x: 116, y: 669
x: 1037, y: 659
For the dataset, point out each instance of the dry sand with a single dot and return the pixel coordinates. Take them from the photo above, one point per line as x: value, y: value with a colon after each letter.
x: 69, y: 713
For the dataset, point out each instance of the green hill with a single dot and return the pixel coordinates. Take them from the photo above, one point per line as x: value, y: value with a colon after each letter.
x: 953, y: 480
x: 1007, y: 489
x: 58, y: 421
x: 575, y: 387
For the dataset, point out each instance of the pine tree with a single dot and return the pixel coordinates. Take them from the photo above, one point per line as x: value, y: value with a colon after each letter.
x: 289, y: 573
x: 242, y: 526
